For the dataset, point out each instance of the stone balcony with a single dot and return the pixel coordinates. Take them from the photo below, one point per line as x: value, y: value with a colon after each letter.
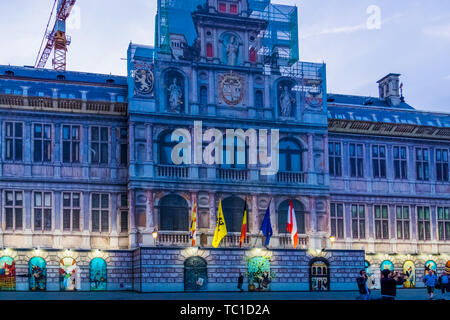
x: 62, y: 105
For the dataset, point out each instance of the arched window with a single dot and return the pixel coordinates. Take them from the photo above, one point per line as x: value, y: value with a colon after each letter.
x: 259, y: 99
x: 173, y: 213
x: 7, y: 274
x: 387, y: 264
x: 203, y: 96
x: 409, y: 269
x: 290, y: 156
x: 237, y: 155
x: 209, y: 50
x: 37, y: 269
x: 233, y: 210
x: 195, y: 274
x: 259, y: 275
x: 283, y: 210
x: 97, y: 274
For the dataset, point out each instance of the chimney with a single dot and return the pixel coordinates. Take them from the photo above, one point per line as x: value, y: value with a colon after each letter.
x: 389, y: 88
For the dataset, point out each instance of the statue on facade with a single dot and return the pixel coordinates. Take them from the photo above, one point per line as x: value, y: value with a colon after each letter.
x: 232, y: 51
x: 175, y: 95
x: 286, y: 102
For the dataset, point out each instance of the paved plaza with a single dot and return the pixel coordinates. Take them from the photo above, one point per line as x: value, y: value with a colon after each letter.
x: 414, y: 294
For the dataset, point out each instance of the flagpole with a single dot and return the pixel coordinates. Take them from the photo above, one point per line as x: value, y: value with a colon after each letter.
x: 256, y: 239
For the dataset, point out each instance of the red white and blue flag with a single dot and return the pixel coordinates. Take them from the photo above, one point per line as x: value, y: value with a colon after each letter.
x: 292, y: 225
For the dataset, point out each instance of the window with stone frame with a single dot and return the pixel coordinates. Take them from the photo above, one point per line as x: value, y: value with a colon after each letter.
x: 71, y: 211
x: 423, y: 222
x: 203, y: 96
x: 381, y: 215
x: 442, y: 165
x: 356, y: 160
x: 400, y: 163
x: 71, y: 144
x: 124, y: 212
x: 42, y: 142
x: 379, y: 161
x: 337, y: 220
x: 13, y: 141
x: 259, y: 99
x: 335, y: 158
x: 42, y: 204
x: 403, y: 222
x: 13, y: 204
x: 123, y: 146
x: 443, y: 216
x: 100, y: 212
x: 422, y: 164
x: 358, y: 213
x: 99, y: 145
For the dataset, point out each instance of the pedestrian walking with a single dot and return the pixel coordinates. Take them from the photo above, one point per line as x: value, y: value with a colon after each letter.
x: 389, y: 282
x: 240, y: 282
x: 364, y: 291
x: 430, y: 281
x: 444, y: 283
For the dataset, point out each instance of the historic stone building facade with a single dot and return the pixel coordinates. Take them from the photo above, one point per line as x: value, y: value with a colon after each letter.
x: 92, y: 196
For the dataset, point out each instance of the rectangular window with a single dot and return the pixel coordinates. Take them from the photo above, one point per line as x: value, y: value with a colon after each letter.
x: 335, y: 158
x: 99, y: 145
x: 337, y: 220
x: 402, y: 218
x: 71, y: 211
x: 209, y: 50
x: 443, y: 223
x: 123, y: 142
x: 233, y: 9
x: 442, y: 165
x: 42, y: 211
x: 358, y: 221
x: 100, y: 212
x: 381, y: 213
x: 14, y: 141
x: 400, y: 163
x: 71, y: 144
x: 222, y: 7
x: 379, y: 161
x: 423, y: 222
x: 422, y: 164
x: 356, y: 160
x: 13, y: 210
x: 42, y: 142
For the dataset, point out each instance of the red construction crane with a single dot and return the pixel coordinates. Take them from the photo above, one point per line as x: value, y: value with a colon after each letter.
x: 57, y: 40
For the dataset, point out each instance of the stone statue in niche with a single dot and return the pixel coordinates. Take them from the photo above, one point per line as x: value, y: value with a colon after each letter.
x: 232, y: 51
x: 175, y: 96
x: 287, y: 101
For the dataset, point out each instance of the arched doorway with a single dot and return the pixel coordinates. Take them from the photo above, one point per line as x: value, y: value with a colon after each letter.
x: 195, y: 274
x: 173, y: 213
x: 430, y: 265
x: 7, y: 274
x: 37, y: 270
x: 97, y: 274
x: 319, y: 275
x: 409, y: 269
x: 68, y: 274
x: 233, y: 212
x: 259, y: 276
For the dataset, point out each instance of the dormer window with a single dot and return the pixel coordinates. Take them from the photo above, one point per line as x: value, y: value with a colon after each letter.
x: 233, y: 8
x: 110, y: 81
x: 61, y: 77
x: 9, y: 73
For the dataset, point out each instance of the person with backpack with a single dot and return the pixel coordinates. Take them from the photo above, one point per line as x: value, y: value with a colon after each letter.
x: 444, y: 282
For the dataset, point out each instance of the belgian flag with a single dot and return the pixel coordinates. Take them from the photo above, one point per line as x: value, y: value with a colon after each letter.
x: 244, y: 226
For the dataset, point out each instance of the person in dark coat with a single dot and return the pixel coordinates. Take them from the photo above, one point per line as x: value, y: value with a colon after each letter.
x: 364, y: 291
x: 389, y: 283
x: 240, y: 282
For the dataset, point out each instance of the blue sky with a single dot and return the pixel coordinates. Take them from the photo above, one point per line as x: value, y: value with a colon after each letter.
x: 413, y: 39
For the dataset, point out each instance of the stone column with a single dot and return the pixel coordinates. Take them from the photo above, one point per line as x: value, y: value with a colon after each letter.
x: 194, y: 91
x: 86, y: 243
x: 348, y: 225
x: 113, y: 237
x: 392, y: 228
x: 114, y: 150
x: 433, y: 226
x: 411, y: 170
x: 131, y: 144
x: 84, y: 156
x: 311, y: 170
x: 371, y: 224
x: 57, y: 150
x: 253, y: 219
x: 133, y: 230
x: 27, y: 149
x: 57, y: 227
x: 149, y: 142
x: 28, y: 205
x: 150, y: 211
x: 315, y: 241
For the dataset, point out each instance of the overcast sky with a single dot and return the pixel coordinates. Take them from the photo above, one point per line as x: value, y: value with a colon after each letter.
x: 413, y: 39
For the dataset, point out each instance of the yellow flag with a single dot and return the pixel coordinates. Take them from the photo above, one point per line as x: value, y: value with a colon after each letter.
x: 221, y: 228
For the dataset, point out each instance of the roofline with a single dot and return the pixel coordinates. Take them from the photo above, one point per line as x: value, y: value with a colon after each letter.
x: 389, y: 75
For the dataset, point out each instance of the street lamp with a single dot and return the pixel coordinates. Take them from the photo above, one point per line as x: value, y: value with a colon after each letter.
x: 332, y: 240
x: 155, y: 235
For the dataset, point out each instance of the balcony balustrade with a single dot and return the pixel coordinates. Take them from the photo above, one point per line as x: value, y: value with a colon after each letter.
x: 232, y: 174
x: 168, y: 171
x: 291, y: 177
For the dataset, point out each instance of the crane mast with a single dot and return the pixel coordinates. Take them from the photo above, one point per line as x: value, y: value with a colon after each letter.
x: 57, y: 39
